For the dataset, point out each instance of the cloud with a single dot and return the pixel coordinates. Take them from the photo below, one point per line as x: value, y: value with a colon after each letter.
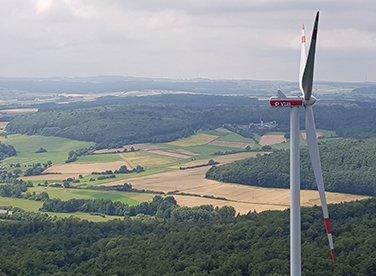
x: 185, y: 38
x: 348, y: 39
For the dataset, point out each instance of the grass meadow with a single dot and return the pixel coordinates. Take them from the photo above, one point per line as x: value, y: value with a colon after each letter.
x: 57, y: 149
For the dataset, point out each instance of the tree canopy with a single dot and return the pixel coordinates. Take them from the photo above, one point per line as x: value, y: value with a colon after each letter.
x: 349, y: 166
x: 255, y: 244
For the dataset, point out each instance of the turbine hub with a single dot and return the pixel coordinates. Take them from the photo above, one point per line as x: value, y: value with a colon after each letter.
x: 312, y: 100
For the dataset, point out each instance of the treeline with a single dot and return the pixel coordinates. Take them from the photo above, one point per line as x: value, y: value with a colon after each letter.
x: 19, y: 190
x: 122, y: 170
x: 158, y: 205
x: 6, y: 151
x: 255, y: 244
x: 11, y: 185
x: 161, y: 207
x: 38, y: 168
x: 74, y: 154
x: 14, y: 189
x: 349, y: 166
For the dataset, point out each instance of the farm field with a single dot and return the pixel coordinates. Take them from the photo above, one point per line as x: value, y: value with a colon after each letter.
x: 194, y: 140
x: 84, y: 169
x: 57, y: 149
x: 33, y: 206
x: 66, y: 194
x: 222, y: 159
x: 230, y: 144
x: 99, y: 158
x: 154, y: 158
x: 243, y: 198
x: 272, y: 139
x: 161, y: 163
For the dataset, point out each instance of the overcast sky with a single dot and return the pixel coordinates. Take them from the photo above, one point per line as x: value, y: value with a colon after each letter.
x: 232, y: 39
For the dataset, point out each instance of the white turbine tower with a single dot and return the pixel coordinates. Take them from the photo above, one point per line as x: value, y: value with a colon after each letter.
x: 295, y: 103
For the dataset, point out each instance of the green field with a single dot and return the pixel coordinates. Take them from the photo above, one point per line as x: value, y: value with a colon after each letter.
x: 234, y: 137
x: 25, y: 204
x: 33, y: 206
x: 207, y: 150
x: 195, y: 147
x: 194, y: 140
x: 131, y: 199
x: 84, y: 182
x: 66, y: 194
x: 147, y: 159
x: 99, y: 158
x: 198, y: 145
x: 57, y: 149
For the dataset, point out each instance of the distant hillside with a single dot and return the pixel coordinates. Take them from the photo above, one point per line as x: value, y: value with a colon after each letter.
x: 366, y: 90
x: 115, y: 121
x: 101, y: 84
x: 189, y: 243
x: 349, y: 166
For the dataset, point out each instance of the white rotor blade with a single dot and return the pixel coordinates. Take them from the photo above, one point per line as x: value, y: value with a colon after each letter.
x: 303, y: 59
x: 307, y: 78
x: 316, y: 166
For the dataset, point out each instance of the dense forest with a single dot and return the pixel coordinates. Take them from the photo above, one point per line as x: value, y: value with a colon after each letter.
x: 255, y: 244
x: 349, y: 166
x: 6, y: 151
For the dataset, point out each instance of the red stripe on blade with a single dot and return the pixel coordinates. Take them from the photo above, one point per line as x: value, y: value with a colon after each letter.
x: 328, y: 225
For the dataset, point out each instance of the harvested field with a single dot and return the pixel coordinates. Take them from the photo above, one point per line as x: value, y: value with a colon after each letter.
x: 243, y: 198
x: 222, y: 159
x: 195, y: 140
x: 50, y: 176
x: 240, y: 207
x: 228, y: 144
x: 84, y: 169
x: 272, y: 139
x: 170, y: 154
x: 146, y: 159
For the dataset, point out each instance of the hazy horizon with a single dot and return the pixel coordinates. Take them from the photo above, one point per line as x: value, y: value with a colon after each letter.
x: 250, y: 40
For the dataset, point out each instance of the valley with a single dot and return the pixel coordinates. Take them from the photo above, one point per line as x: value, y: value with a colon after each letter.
x: 175, y: 168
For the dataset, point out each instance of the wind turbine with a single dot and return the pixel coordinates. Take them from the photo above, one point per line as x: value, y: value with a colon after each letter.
x: 295, y: 103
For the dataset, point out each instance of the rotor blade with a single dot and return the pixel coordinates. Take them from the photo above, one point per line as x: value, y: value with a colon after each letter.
x: 307, y: 78
x: 303, y: 59
x: 316, y: 165
x: 281, y: 95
